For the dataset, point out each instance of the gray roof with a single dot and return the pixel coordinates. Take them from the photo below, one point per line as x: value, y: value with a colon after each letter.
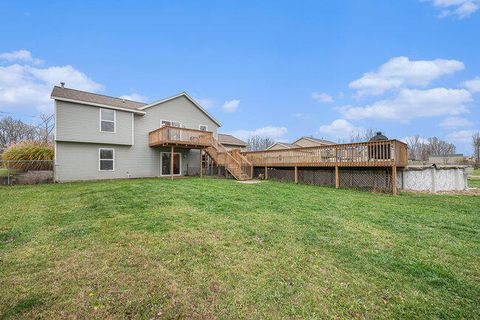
x: 88, y: 97
x: 230, y: 140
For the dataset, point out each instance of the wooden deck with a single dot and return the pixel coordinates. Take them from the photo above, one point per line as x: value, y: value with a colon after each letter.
x: 182, y: 137
x: 388, y: 153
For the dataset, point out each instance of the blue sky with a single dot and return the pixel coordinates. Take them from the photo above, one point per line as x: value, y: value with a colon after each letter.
x: 277, y: 68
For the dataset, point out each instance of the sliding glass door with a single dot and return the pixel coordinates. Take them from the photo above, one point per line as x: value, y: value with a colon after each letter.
x: 166, y: 164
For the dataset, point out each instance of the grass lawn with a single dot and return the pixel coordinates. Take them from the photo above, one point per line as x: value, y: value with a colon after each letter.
x: 474, y: 183
x: 214, y: 248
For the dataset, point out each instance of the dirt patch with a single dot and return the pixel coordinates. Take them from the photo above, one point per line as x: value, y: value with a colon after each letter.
x: 250, y: 181
x: 467, y: 192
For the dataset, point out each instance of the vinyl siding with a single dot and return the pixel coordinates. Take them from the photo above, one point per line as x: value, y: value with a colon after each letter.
x: 81, y: 123
x: 79, y: 161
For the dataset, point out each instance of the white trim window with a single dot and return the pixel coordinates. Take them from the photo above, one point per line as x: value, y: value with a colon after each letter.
x: 170, y: 123
x: 106, y: 159
x: 108, y: 120
x: 203, y: 127
x: 165, y: 123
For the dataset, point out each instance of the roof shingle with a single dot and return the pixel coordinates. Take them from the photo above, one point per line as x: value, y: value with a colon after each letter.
x: 229, y: 139
x: 88, y: 97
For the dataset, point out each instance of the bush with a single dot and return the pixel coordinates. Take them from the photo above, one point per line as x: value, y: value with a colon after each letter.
x: 32, y: 151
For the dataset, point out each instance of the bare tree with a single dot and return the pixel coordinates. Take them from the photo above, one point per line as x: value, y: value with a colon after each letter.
x: 12, y: 130
x: 259, y: 143
x: 422, y: 149
x: 436, y: 146
x: 46, y: 127
x: 476, y: 148
x: 363, y: 135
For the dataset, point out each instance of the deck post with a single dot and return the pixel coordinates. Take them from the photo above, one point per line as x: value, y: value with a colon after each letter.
x: 201, y: 162
x: 337, y: 177
x: 171, y: 162
x: 266, y: 172
x: 296, y: 174
x: 394, y: 180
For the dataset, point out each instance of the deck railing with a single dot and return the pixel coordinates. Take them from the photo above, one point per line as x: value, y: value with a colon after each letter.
x: 363, y: 154
x: 180, y: 136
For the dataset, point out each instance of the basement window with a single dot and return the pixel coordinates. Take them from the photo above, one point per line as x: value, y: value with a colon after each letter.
x: 106, y: 159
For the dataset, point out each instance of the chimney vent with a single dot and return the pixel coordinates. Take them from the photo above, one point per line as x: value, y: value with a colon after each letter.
x: 62, y: 84
x: 123, y: 100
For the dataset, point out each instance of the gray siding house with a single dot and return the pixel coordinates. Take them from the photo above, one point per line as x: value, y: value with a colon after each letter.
x: 101, y: 137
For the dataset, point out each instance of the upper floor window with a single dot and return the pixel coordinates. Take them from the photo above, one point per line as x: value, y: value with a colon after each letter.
x: 203, y: 127
x: 107, y: 120
x: 171, y: 123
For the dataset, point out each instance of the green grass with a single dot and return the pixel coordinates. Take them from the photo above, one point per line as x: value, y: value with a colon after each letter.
x: 474, y: 183
x: 214, y: 248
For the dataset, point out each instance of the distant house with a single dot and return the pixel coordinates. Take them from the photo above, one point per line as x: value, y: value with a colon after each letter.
x: 282, y: 145
x: 312, y: 142
x: 448, y: 159
x: 230, y: 142
x: 299, y: 143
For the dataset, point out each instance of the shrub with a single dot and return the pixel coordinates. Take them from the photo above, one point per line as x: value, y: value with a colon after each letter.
x: 22, y: 155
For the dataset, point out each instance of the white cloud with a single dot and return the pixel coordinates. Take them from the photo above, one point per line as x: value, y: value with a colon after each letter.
x: 455, y: 122
x: 473, y: 85
x: 20, y: 55
x: 268, y: 131
x: 231, y: 105
x: 412, y: 103
x: 322, y: 97
x: 400, y: 72
x: 340, y: 128
x: 461, y: 137
x: 135, y: 97
x: 23, y: 86
x: 459, y: 8
x: 205, y: 103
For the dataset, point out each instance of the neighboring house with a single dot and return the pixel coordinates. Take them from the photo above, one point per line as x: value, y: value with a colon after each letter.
x: 282, y: 145
x: 102, y: 137
x: 230, y: 142
x: 301, y: 142
x: 311, y: 142
x: 448, y: 159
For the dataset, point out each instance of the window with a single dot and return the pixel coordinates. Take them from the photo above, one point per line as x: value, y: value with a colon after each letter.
x: 171, y: 123
x: 165, y: 162
x: 106, y: 159
x: 107, y: 120
x: 173, y: 134
x: 203, y: 127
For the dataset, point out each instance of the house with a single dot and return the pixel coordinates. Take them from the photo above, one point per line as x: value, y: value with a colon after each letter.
x: 230, y: 142
x: 102, y: 137
x: 281, y: 146
x: 311, y: 142
x: 299, y: 143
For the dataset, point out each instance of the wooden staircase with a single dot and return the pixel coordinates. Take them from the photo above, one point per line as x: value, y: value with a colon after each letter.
x: 233, y: 161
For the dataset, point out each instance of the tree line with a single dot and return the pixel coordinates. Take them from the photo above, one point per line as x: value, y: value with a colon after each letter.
x: 15, y: 130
